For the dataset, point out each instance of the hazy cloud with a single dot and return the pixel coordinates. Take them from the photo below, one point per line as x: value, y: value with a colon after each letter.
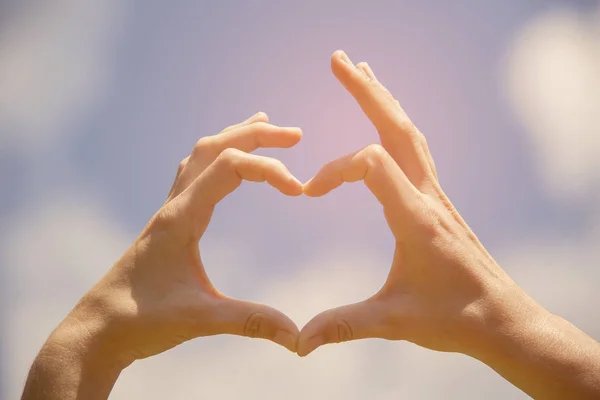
x: 54, y: 64
x: 554, y: 87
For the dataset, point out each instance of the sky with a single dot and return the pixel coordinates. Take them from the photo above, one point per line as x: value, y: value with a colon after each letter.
x: 100, y: 101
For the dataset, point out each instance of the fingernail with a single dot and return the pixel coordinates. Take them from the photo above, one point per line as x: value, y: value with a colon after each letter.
x: 312, y: 344
x: 344, y: 57
x: 285, y: 339
x: 258, y: 114
x: 298, y: 185
x: 367, y: 70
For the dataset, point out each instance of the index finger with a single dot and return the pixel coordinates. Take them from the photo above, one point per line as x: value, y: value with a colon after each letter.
x: 398, y: 134
x: 381, y: 175
x: 223, y: 176
x: 245, y: 137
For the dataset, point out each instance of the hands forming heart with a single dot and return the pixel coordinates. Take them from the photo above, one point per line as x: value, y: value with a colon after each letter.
x: 444, y: 291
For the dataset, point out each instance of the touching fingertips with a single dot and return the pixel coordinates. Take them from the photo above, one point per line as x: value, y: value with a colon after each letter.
x: 310, y: 345
x: 311, y: 188
x: 286, y: 339
x: 295, y: 186
x: 306, y: 187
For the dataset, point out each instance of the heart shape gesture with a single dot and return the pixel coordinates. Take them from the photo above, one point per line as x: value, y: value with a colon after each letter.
x: 158, y: 294
x: 444, y: 291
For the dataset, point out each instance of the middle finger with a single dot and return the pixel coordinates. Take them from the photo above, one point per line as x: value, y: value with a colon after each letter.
x: 246, y: 138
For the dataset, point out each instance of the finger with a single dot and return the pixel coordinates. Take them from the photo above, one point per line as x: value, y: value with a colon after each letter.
x: 368, y: 72
x: 364, y: 67
x: 351, y: 322
x: 398, y: 134
x: 375, y: 166
x: 258, y: 117
x: 246, y: 138
x: 429, y: 159
x: 253, y: 136
x: 223, y: 176
x: 244, y: 318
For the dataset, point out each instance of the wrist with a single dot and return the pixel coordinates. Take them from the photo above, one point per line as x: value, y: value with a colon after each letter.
x: 504, y: 321
x: 545, y: 356
x: 87, y: 339
x: 509, y: 335
x: 72, y: 364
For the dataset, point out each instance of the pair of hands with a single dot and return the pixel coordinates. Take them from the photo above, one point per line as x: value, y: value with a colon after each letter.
x: 443, y: 292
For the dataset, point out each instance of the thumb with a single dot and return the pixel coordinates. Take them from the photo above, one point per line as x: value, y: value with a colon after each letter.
x: 351, y: 322
x: 245, y: 318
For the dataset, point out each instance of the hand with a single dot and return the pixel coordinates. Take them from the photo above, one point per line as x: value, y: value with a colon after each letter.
x: 158, y: 294
x: 443, y: 290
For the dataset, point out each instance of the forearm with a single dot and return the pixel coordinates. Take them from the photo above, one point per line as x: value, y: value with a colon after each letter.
x: 71, y: 365
x: 546, y: 357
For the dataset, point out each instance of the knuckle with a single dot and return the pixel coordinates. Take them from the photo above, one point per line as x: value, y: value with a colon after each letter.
x: 406, y: 127
x: 374, y: 154
x: 260, y: 125
x: 422, y: 139
x: 257, y: 128
x: 228, y: 157
x: 275, y: 164
x: 163, y: 220
x: 253, y: 324
x: 430, y: 221
x: 203, y: 147
x: 182, y: 164
x: 344, y: 331
x: 227, y: 128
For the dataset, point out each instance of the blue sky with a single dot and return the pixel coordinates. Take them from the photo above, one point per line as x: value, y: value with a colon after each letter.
x: 100, y: 101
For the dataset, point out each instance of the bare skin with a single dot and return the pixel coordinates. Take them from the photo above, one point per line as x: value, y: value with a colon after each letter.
x: 444, y: 290
x: 158, y: 295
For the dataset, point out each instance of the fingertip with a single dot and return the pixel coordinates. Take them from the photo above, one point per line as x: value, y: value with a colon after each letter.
x: 306, y: 187
x: 297, y: 190
x: 286, y: 339
x: 320, y: 184
x: 297, y: 134
x: 309, y: 189
x: 309, y: 345
x: 292, y: 187
x: 340, y: 56
x: 283, y: 137
x: 260, y: 116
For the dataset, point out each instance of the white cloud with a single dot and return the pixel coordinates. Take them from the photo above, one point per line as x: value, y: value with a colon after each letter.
x: 554, y: 87
x: 561, y: 273
x: 553, y: 83
x: 53, y: 251
x: 54, y: 64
